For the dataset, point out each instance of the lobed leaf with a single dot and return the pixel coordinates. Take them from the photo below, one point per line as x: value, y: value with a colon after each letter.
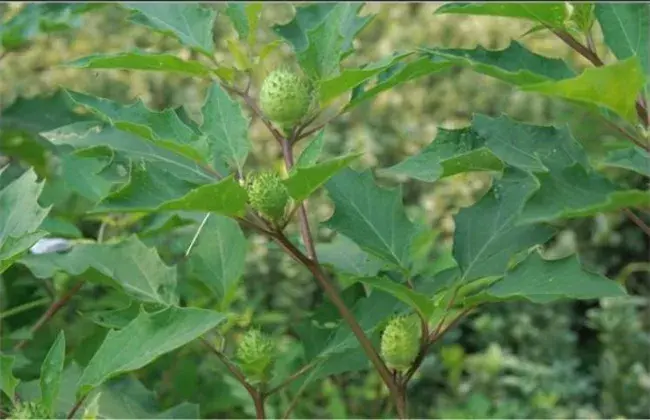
x: 549, y: 13
x: 305, y: 180
x: 419, y: 302
x: 633, y: 158
x: 138, y: 60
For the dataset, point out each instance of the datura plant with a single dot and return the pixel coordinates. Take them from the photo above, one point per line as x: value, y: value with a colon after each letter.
x: 145, y: 178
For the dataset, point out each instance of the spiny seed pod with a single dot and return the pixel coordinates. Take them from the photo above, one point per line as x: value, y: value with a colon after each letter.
x: 255, y: 356
x: 400, y: 342
x: 285, y: 97
x: 29, y: 410
x: 268, y: 195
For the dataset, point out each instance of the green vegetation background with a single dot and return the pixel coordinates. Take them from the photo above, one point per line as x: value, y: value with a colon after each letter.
x: 567, y: 360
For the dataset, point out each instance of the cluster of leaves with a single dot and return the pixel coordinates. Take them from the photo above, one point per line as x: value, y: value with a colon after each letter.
x: 132, y: 161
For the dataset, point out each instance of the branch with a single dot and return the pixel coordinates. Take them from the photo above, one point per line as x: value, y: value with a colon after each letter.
x: 76, y: 407
x: 637, y: 221
x: 50, y: 312
x: 290, y: 379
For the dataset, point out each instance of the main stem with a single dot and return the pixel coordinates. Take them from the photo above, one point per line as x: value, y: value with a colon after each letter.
x: 314, y: 267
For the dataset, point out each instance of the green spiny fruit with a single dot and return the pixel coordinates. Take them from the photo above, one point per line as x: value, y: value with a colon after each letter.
x: 256, y: 356
x: 268, y: 195
x: 285, y: 97
x: 29, y: 410
x: 400, y: 342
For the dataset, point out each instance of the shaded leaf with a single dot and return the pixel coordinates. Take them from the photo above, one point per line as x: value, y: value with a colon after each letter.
x: 371, y: 216
x: 574, y: 192
x: 346, y: 257
x: 189, y: 22
x: 8, y: 382
x: 51, y: 371
x: 550, y: 13
x: 487, y: 234
x: 632, y: 158
x: 20, y: 218
x: 541, y: 281
x: 305, y: 180
x: 514, y: 64
x: 245, y: 18
x: 398, y: 74
x: 225, y: 197
x: 321, y: 35
x: 626, y: 29
x: 450, y: 153
x: 164, y: 128
x: 415, y: 300
x: 226, y: 128
x: 158, y: 333
x: 219, y: 256
x: 614, y: 86
x: 138, y: 60
x: 84, y: 176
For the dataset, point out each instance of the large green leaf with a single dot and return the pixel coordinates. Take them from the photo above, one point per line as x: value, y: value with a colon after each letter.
x: 226, y: 128
x: 51, y: 371
x: 84, y: 176
x: 398, y: 74
x: 574, y: 192
x: 347, y: 258
x: 419, y: 302
x: 549, y: 13
x: 514, y: 64
x: 219, y: 256
x: 614, y: 86
x: 149, y: 336
x: 86, y: 135
x: 20, y: 218
x: 450, y: 153
x: 136, y: 268
x: 123, y: 398
x: 305, y: 180
x: 541, y: 281
x: 487, y: 234
x: 632, y: 158
x: 626, y: 28
x: 225, y: 197
x: 139, y: 60
x: 529, y: 147
x: 191, y: 23
x: 38, y: 18
x: 164, y: 128
x: 371, y: 216
x: 321, y: 35
x: 8, y: 382
x: 350, y: 78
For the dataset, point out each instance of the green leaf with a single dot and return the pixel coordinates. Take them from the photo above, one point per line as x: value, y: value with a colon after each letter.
x: 632, y: 158
x: 322, y: 34
x: 350, y: 78
x: 371, y: 216
x: 138, y: 60
x: 450, y: 153
x: 583, y: 16
x: 219, y: 256
x: 51, y: 370
x: 614, y: 86
x: 86, y: 135
x: 514, y: 64
x: 155, y: 333
x: 574, y: 192
x: 225, y: 197
x: 245, y: 18
x: 347, y: 258
x: 123, y: 398
x: 163, y: 128
x: 550, y: 13
x: 8, y: 381
x: 20, y: 218
x: 529, y: 147
x: 398, y: 74
x: 84, y: 176
x: 487, y: 234
x: 421, y: 303
x: 541, y: 281
x: 312, y: 152
x: 626, y: 28
x: 189, y: 22
x: 305, y: 180
x: 130, y: 264
x: 226, y: 128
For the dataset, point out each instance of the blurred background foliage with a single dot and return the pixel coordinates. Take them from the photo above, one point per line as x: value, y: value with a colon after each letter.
x: 566, y: 360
